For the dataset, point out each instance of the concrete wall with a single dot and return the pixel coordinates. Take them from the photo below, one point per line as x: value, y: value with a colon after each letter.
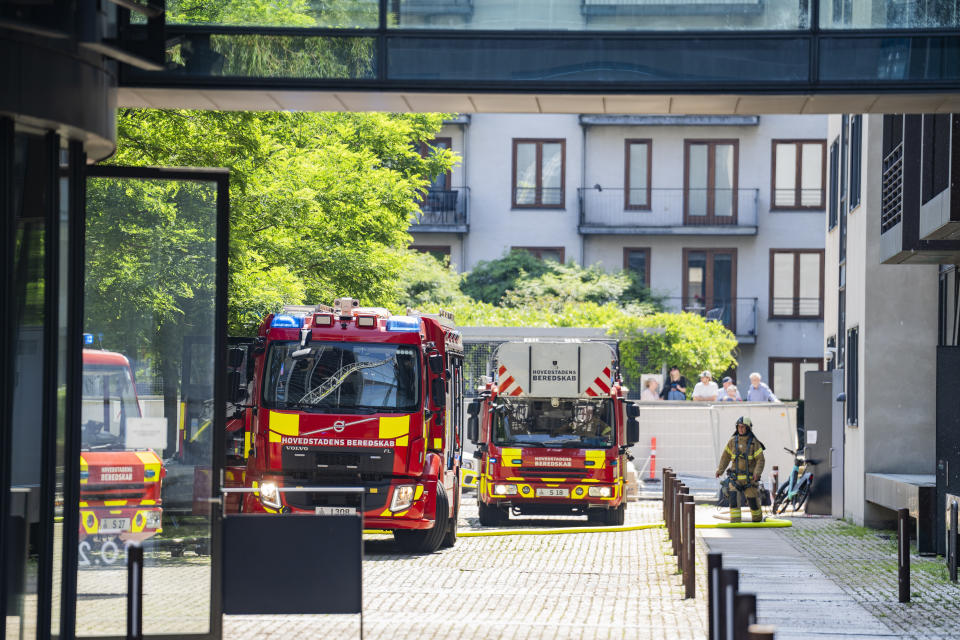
x: 894, y: 307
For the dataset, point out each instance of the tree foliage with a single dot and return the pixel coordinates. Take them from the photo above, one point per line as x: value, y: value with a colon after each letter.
x: 320, y: 202
x: 686, y: 340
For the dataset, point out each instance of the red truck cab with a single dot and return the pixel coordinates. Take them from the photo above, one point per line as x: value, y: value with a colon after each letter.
x: 356, y: 397
x: 552, y: 433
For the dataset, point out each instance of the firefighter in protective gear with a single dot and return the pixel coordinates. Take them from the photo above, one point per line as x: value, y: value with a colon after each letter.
x: 744, y: 455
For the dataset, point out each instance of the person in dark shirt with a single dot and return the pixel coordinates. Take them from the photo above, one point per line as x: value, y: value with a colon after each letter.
x: 676, y: 386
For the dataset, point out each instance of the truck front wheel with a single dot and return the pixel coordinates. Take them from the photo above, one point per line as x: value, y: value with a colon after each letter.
x: 427, y: 540
x: 616, y: 517
x: 491, y: 516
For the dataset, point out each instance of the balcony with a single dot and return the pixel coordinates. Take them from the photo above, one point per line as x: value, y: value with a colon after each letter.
x: 606, y: 210
x: 739, y: 315
x: 443, y: 211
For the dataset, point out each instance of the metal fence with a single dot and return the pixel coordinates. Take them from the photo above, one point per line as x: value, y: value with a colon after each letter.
x: 444, y: 208
x: 739, y: 314
x: 606, y: 207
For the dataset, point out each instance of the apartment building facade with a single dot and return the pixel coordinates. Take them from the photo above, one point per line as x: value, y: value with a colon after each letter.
x: 719, y: 215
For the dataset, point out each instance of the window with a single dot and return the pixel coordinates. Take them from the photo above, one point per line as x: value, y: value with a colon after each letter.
x: 637, y: 260
x: 935, y: 162
x: 544, y: 253
x: 852, y: 376
x: 440, y: 252
x: 798, y: 174
x: 796, y: 283
x: 710, y: 284
x: 538, y: 173
x: 834, y: 173
x: 787, y: 376
x: 856, y: 152
x: 442, y: 181
x: 637, y: 174
x: 710, y: 175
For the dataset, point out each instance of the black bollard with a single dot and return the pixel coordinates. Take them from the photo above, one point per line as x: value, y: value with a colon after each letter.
x: 682, y: 531
x: 668, y: 490
x: 714, y: 565
x: 903, y: 554
x: 744, y: 614
x: 952, y: 542
x: 135, y: 593
x: 675, y: 518
x: 729, y: 585
x: 690, y: 549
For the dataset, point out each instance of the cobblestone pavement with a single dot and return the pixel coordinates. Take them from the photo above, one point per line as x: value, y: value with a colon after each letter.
x: 584, y: 586
x: 864, y: 563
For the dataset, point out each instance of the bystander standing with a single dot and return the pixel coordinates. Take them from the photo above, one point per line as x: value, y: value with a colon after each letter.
x: 758, y: 391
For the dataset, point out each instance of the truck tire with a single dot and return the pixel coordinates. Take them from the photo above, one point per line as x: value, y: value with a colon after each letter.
x: 597, y: 516
x: 490, y: 516
x: 616, y: 517
x: 427, y: 540
x: 450, y: 537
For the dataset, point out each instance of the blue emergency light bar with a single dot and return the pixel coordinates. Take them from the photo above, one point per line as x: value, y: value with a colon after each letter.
x: 286, y: 322
x: 88, y: 339
x: 403, y: 323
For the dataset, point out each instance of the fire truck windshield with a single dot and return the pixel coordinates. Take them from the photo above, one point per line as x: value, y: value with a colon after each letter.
x: 108, y: 400
x: 553, y: 422
x: 343, y: 377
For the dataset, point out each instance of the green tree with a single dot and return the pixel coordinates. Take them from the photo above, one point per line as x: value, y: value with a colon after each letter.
x: 490, y: 280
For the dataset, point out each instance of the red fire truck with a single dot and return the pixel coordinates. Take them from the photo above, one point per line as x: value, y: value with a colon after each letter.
x: 356, y: 397
x: 119, y: 484
x: 552, y: 433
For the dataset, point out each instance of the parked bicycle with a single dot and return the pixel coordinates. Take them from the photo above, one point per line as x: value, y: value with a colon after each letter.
x: 795, y: 491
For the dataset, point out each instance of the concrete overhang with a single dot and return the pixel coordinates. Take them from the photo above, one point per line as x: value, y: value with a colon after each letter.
x: 466, y: 103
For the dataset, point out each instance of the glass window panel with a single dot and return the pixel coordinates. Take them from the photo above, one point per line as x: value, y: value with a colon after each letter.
x: 550, y: 254
x: 439, y: 183
x: 804, y: 368
x: 723, y: 180
x: 888, y: 14
x: 331, y: 15
x: 270, y: 56
x: 637, y: 263
x: 638, y: 174
x: 696, y: 277
x: 30, y: 194
x: 811, y: 176
x: 697, y: 195
x: 783, y: 380
x: 526, y: 173
x: 809, y: 284
x: 783, y: 284
x: 147, y: 399
x: 722, y: 277
x: 551, y: 173
x: 786, y: 176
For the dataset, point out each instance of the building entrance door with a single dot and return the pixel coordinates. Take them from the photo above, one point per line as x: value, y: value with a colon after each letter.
x: 155, y: 278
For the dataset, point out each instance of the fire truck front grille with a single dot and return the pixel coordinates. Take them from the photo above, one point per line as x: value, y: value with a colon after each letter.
x: 337, y: 460
x: 556, y: 471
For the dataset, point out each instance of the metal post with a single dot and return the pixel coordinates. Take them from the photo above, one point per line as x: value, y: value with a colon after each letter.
x: 667, y: 496
x: 689, y: 561
x: 760, y: 632
x: 714, y: 565
x: 903, y: 554
x: 729, y: 585
x: 135, y: 592
x: 681, y: 532
x: 744, y: 614
x: 952, y: 542
x: 674, y: 517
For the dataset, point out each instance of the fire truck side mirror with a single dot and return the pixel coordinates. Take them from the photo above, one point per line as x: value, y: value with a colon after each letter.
x: 234, y: 390
x: 633, y: 427
x: 473, y: 428
x: 236, y: 358
x: 473, y: 408
x: 435, y: 360
x: 438, y: 394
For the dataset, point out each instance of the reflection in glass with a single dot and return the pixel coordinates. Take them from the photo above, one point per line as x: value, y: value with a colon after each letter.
x: 564, y: 424
x: 607, y: 15
x: 697, y: 196
x: 638, y: 194
x: 526, y: 173
x: 551, y: 177
x: 888, y: 14
x: 146, y: 422
x: 723, y: 180
x: 330, y: 14
x: 267, y: 56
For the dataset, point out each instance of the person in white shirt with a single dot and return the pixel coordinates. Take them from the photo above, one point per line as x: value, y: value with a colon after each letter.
x: 706, y: 390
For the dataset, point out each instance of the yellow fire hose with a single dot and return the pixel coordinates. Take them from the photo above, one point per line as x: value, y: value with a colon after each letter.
x: 769, y: 523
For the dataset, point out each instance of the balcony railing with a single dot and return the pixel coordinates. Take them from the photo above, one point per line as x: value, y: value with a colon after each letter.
x: 739, y: 314
x: 614, y: 210
x: 445, y: 210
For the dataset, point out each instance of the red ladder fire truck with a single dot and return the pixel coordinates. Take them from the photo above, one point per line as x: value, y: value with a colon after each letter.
x: 552, y: 433
x: 356, y: 397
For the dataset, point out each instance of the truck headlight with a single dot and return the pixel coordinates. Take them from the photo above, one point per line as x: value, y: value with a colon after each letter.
x: 402, y: 497
x: 270, y: 495
x: 599, y: 492
x: 505, y: 489
x: 152, y: 519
